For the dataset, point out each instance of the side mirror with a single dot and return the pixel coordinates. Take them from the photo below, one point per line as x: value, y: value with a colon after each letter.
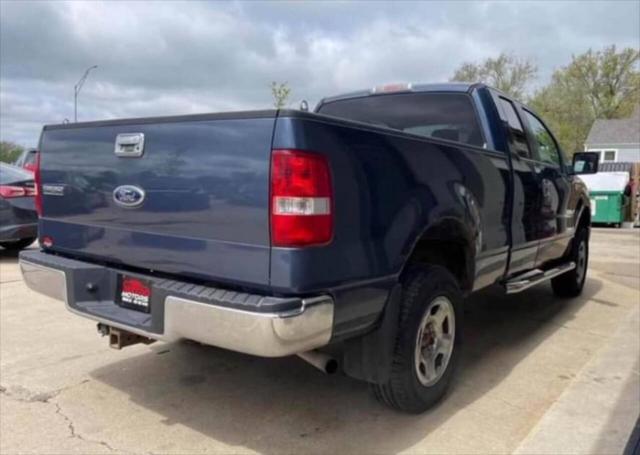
x: 585, y: 162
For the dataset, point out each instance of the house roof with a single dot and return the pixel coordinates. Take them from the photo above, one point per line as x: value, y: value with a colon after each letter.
x: 616, y: 131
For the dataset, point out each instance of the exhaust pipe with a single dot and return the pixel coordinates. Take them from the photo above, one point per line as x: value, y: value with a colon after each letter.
x: 119, y: 339
x: 322, y: 362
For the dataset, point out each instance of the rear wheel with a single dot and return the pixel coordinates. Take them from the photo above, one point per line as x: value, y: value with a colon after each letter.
x: 428, y: 341
x: 18, y: 244
x: 570, y: 284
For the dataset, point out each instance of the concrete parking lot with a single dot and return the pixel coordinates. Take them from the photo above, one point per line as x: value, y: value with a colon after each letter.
x: 539, y: 375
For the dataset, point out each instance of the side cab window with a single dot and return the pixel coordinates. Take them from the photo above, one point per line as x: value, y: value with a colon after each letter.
x: 546, y: 149
x: 517, y: 136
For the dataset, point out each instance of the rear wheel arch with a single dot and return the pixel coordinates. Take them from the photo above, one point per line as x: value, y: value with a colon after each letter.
x: 449, y: 244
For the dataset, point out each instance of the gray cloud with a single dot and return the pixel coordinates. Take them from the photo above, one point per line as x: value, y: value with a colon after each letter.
x: 170, y: 58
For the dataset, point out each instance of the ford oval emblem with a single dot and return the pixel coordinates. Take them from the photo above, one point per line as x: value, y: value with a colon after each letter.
x: 128, y: 196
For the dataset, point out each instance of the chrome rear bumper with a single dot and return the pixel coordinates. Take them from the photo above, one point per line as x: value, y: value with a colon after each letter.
x: 258, y: 333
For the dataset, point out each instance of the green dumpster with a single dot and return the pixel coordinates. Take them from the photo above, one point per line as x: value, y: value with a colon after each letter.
x: 607, y: 206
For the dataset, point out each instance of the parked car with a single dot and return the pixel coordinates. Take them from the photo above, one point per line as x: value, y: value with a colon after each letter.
x: 27, y: 160
x: 348, y: 236
x: 18, y: 217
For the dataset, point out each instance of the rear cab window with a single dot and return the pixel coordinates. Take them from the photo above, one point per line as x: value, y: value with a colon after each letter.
x: 449, y: 116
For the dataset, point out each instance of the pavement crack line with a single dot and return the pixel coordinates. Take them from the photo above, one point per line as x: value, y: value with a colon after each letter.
x: 74, y: 434
x: 24, y: 395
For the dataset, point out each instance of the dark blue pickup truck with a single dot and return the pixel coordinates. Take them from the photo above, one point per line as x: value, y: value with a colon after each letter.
x: 349, y: 236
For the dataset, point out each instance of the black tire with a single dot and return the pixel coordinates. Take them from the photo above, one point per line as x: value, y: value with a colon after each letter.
x: 18, y: 244
x: 570, y: 284
x: 423, y: 286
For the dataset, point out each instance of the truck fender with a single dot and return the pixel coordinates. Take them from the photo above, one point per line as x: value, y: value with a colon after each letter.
x: 583, y: 205
x: 584, y: 202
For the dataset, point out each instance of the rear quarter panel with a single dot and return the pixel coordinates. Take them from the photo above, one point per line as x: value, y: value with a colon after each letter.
x: 388, y: 189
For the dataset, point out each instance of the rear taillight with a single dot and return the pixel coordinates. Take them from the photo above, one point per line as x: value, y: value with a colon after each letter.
x: 38, y: 186
x: 301, y: 199
x: 11, y: 191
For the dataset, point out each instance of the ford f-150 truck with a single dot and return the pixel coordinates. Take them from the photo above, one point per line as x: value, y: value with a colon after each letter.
x: 349, y: 235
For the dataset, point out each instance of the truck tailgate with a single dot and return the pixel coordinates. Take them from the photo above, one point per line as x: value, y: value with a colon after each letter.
x: 204, y: 181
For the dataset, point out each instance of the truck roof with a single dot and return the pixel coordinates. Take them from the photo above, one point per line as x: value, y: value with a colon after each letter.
x: 404, y: 87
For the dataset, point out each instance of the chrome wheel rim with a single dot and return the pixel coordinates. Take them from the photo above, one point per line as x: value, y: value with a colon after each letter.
x: 581, y: 266
x: 434, y: 341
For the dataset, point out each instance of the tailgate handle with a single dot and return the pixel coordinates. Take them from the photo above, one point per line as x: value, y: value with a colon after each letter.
x: 130, y: 145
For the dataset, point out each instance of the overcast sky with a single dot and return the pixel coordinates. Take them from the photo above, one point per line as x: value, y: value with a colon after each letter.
x: 175, y: 58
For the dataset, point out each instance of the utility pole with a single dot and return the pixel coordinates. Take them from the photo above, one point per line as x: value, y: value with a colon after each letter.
x: 76, y: 91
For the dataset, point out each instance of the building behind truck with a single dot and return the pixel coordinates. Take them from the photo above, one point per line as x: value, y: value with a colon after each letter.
x: 618, y: 143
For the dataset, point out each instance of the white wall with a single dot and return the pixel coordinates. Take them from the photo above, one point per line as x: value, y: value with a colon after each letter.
x: 632, y: 155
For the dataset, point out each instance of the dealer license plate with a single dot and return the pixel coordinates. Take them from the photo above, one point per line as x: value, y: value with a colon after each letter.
x: 134, y: 293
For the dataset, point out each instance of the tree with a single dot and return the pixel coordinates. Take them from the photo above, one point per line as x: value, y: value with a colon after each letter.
x: 280, y: 92
x: 595, y: 85
x: 10, y: 151
x: 506, y: 73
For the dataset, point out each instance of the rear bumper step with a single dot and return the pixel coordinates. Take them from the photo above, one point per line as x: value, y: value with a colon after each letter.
x: 529, y: 279
x: 175, y: 315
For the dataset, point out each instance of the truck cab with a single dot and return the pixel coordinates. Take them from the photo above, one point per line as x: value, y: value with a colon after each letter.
x: 541, y: 200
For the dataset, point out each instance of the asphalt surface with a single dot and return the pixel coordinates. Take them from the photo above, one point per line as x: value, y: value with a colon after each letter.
x: 539, y: 375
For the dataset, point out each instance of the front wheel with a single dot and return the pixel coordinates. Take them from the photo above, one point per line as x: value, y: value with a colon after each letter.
x: 570, y: 284
x: 428, y: 341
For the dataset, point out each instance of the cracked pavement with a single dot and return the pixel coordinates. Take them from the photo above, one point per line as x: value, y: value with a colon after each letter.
x: 23, y: 395
x: 532, y: 363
